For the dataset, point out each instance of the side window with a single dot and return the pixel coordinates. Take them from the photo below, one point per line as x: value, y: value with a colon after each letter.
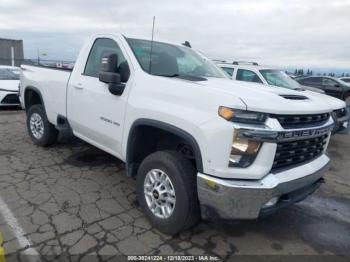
x: 228, y: 70
x: 248, y: 76
x: 328, y: 82
x: 101, y: 48
x: 313, y: 81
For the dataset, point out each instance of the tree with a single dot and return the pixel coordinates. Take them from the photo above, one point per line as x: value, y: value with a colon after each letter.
x: 296, y: 72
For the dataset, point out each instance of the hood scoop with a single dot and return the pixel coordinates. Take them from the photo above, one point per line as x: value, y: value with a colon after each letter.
x: 294, y: 97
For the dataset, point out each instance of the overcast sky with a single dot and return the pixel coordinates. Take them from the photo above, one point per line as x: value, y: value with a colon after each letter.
x: 286, y: 33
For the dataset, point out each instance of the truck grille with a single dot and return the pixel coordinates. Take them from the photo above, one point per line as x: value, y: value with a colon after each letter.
x: 298, y: 152
x: 301, y: 121
x: 10, y: 99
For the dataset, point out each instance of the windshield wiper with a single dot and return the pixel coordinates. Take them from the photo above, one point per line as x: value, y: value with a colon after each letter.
x: 184, y: 76
x: 173, y: 75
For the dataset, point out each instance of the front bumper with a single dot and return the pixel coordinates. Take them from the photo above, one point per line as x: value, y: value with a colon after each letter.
x: 244, y: 199
x: 9, y: 98
x: 342, y: 122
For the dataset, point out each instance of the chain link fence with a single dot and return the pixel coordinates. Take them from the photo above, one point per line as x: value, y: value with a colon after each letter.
x: 39, y: 62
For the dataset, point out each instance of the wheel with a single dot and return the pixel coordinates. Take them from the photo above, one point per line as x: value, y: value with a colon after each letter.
x: 41, y: 131
x: 167, y: 191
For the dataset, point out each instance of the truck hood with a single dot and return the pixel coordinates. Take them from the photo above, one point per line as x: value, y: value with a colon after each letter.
x: 261, y: 98
x: 9, y: 85
x: 333, y: 102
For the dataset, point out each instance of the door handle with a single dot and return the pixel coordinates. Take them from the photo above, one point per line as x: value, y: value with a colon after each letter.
x: 79, y: 86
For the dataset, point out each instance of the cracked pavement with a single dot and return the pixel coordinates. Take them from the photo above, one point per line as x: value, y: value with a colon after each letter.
x: 73, y: 199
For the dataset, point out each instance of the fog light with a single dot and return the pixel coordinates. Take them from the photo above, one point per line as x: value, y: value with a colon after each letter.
x: 271, y: 202
x: 243, y: 152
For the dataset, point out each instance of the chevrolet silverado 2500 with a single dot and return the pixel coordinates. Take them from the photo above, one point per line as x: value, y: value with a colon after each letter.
x: 199, y: 144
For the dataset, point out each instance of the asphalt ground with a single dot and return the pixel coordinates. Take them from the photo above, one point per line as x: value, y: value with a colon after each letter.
x: 73, y: 202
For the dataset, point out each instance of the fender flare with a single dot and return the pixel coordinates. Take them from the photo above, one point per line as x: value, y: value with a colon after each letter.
x: 36, y: 90
x: 166, y: 127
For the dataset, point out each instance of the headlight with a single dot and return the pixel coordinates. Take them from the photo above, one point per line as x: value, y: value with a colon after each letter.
x: 243, y: 152
x: 242, y: 116
x: 339, y: 113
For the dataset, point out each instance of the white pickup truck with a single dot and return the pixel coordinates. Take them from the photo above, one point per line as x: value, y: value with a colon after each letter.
x: 199, y: 144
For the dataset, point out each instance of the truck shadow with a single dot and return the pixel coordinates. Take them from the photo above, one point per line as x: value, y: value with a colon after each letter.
x: 91, y: 157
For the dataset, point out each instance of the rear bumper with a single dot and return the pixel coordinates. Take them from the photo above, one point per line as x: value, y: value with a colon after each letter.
x: 244, y: 199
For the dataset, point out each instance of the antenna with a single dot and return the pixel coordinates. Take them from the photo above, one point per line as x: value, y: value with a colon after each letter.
x: 150, y: 55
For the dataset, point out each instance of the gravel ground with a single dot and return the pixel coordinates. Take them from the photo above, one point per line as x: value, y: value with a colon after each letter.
x: 75, y: 199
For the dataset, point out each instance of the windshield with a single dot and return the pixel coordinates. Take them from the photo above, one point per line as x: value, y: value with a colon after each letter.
x: 343, y: 82
x: 173, y: 61
x: 279, y: 78
x: 9, y: 74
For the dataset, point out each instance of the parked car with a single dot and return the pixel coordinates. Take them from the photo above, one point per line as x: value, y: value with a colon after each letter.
x: 9, y: 82
x: 252, y: 72
x: 331, y: 85
x: 199, y: 144
x: 345, y: 79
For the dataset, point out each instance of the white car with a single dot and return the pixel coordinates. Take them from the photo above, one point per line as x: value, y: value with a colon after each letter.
x: 198, y: 143
x: 252, y: 72
x: 9, y: 82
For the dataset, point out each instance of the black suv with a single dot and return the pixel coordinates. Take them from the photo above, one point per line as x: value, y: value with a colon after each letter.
x: 332, y: 86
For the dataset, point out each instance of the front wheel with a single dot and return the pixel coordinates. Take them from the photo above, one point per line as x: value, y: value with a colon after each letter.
x: 167, y: 191
x: 41, y: 131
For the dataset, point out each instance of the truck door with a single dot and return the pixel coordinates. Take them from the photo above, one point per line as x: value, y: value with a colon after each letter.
x: 94, y: 113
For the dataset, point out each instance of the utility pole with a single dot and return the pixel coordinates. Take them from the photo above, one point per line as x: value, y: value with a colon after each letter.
x: 12, y: 56
x: 38, y: 56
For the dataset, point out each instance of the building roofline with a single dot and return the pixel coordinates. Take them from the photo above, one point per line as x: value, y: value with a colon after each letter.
x: 8, y: 39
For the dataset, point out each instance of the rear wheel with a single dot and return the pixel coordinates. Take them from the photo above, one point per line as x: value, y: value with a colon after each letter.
x: 41, y: 131
x: 167, y: 191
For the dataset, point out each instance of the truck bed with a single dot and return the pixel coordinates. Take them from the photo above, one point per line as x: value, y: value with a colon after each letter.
x: 52, y: 84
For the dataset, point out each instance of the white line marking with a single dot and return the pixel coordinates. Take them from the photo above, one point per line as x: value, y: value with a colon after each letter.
x: 18, y: 232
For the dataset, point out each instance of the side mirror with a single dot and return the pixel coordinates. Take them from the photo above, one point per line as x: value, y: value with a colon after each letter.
x: 109, y: 76
x: 336, y: 85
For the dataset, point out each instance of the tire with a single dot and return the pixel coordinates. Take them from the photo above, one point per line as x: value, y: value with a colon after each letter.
x: 44, y: 135
x: 182, y: 176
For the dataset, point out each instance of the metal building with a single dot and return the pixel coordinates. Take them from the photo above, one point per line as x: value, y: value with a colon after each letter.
x: 11, y: 52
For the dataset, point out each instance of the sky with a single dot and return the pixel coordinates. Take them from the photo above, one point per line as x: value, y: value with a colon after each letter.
x: 284, y: 33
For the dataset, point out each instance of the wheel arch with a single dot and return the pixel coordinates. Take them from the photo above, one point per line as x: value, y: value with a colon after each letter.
x: 32, y: 96
x: 136, y: 128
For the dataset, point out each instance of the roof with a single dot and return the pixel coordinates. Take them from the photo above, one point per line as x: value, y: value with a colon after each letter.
x: 7, y: 39
x: 155, y: 40
x: 245, y: 66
